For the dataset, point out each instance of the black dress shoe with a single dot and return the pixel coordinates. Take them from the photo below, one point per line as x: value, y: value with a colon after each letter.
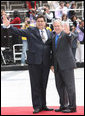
x: 69, y: 110
x: 47, y: 109
x: 60, y: 109
x: 37, y: 110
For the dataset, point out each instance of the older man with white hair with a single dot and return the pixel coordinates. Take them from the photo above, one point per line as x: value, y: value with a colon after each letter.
x: 63, y: 65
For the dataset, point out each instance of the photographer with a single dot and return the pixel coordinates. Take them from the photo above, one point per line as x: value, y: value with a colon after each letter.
x: 48, y: 15
x: 32, y: 14
x: 80, y: 48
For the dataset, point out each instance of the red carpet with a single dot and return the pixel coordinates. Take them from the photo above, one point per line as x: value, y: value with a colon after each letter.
x: 29, y: 111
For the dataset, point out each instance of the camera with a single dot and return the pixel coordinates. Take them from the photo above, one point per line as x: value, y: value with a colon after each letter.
x: 71, y: 28
x: 44, y: 9
x: 28, y: 22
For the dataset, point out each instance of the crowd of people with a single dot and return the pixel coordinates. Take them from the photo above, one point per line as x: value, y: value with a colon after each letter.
x: 63, y: 13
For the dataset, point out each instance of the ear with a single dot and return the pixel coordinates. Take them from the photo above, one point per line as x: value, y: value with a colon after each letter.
x: 45, y: 24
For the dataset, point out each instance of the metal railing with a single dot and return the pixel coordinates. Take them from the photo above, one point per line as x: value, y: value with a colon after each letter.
x: 25, y: 11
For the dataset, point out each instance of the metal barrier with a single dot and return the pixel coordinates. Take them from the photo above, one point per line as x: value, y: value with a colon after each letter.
x: 17, y: 54
x: 2, y: 49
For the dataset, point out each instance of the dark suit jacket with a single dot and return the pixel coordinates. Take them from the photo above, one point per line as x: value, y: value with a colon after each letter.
x: 74, y: 39
x: 38, y: 51
x: 62, y: 55
x: 82, y: 29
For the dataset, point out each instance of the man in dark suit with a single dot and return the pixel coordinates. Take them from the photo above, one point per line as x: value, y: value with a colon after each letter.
x: 74, y: 40
x: 64, y: 65
x: 39, y: 52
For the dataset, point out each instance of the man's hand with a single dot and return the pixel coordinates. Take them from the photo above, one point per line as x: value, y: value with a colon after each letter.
x: 52, y: 68
x: 66, y: 28
x: 6, y: 22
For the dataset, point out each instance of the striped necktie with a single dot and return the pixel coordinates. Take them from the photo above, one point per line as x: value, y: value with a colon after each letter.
x: 42, y: 36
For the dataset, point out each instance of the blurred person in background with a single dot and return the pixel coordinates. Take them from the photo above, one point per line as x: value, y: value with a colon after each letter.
x: 33, y: 23
x: 2, y: 13
x: 31, y: 4
x: 65, y: 19
x: 60, y: 10
x: 80, y: 49
x: 75, y: 20
x: 48, y: 15
x: 48, y: 27
x: 24, y: 41
x: 74, y: 39
x: 8, y: 53
x: 67, y: 4
x: 72, y: 12
x: 16, y: 20
x: 32, y: 14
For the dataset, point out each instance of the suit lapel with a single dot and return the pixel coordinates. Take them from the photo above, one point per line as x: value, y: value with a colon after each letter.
x: 48, y: 34
x: 54, y: 36
x: 38, y: 34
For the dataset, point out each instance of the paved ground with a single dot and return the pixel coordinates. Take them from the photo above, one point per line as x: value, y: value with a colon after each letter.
x: 16, y: 91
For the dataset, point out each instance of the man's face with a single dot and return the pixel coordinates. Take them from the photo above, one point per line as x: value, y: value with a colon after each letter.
x: 27, y: 21
x: 73, y: 6
x: 47, y: 10
x: 40, y: 23
x: 57, y: 27
x: 67, y: 5
x: 82, y: 23
x: 62, y: 5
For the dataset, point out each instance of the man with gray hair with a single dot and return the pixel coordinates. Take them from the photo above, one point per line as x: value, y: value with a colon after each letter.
x: 63, y: 67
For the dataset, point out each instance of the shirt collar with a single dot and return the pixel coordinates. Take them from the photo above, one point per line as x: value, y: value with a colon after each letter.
x: 42, y: 30
x: 58, y: 34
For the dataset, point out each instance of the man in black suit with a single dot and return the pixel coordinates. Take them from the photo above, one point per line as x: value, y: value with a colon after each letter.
x: 39, y: 52
x: 75, y: 40
x: 64, y: 64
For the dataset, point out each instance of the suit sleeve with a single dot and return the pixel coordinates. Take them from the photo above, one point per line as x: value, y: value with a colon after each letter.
x: 69, y: 37
x: 75, y: 35
x: 19, y: 32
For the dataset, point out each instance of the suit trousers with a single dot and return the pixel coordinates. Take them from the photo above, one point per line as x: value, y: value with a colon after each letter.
x: 65, y: 85
x: 38, y: 77
x: 74, y: 52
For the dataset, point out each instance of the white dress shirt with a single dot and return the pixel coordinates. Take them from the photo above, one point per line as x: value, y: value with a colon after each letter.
x: 60, y: 11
